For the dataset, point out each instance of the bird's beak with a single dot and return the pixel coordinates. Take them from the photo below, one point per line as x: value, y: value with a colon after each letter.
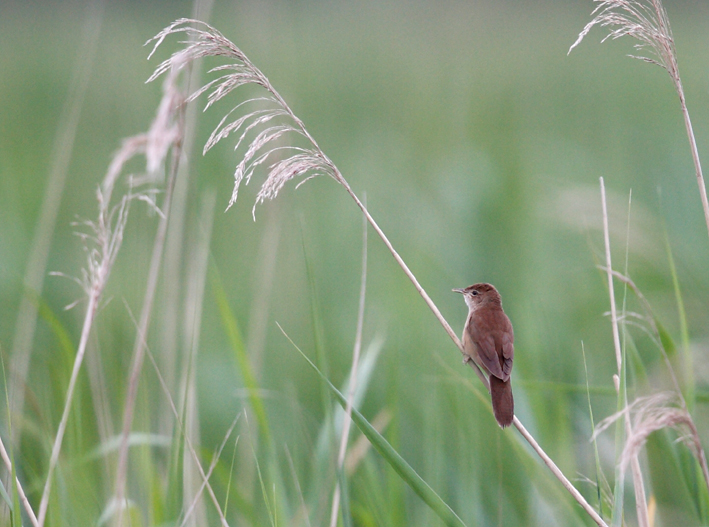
x: 462, y: 291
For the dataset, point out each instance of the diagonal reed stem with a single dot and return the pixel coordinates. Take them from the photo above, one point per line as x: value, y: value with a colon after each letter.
x: 56, y: 448
x: 437, y: 313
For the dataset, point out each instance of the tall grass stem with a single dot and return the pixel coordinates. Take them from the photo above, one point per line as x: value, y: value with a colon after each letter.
x: 640, y: 499
x: 139, y: 345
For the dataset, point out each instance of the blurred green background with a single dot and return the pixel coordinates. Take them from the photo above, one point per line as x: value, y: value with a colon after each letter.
x: 479, y: 145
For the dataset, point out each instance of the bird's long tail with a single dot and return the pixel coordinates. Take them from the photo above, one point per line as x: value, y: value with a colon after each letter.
x: 503, y: 404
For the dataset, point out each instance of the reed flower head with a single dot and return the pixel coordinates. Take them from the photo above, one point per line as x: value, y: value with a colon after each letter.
x: 653, y: 413
x: 265, y: 120
x: 103, y: 236
x: 644, y: 20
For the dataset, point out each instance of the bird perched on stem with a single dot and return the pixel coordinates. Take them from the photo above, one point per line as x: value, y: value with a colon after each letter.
x: 488, y: 340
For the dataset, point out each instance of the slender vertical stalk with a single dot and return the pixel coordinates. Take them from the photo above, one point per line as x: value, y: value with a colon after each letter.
x: 188, y: 442
x: 695, y: 157
x: 139, y: 345
x: 174, y: 245
x: 640, y: 499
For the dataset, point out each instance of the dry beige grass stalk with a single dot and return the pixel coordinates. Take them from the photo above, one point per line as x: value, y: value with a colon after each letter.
x: 639, y: 486
x: 646, y: 21
x: 169, y: 123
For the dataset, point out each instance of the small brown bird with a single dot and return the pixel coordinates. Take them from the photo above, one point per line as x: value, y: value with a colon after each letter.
x: 488, y: 340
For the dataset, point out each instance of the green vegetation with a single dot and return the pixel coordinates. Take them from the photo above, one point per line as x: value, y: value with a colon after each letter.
x: 478, y: 144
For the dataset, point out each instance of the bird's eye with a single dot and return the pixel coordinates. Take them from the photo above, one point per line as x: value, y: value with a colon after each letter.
x: 475, y: 293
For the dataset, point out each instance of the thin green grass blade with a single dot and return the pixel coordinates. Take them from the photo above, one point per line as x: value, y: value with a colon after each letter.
x: 14, y: 502
x: 45, y: 313
x: 5, y: 496
x: 688, y: 468
x: 391, y: 456
x: 666, y: 339
x: 174, y: 496
x: 234, y: 497
x: 689, y: 381
x: 689, y: 465
x: 599, y: 470
x: 365, y: 371
x: 318, y: 332
x: 674, y: 473
x: 231, y: 327
x: 229, y: 479
x: 16, y: 511
x: 675, y: 505
x: 156, y: 501
x: 264, y: 493
x: 344, y: 498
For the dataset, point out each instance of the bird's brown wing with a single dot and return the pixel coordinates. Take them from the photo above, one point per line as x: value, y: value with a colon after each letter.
x: 493, y: 338
x: 506, y: 343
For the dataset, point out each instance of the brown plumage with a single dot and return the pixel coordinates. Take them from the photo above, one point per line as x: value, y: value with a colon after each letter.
x: 488, y: 339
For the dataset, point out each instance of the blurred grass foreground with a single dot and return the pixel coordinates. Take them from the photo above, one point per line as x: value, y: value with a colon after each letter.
x: 196, y: 345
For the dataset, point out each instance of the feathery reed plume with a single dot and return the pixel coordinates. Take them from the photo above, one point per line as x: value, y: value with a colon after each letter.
x: 275, y: 113
x: 652, y: 413
x: 103, y: 237
x: 275, y: 120
x: 647, y: 22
